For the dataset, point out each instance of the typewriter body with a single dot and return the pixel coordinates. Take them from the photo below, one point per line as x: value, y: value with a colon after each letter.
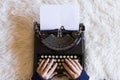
x: 58, y: 44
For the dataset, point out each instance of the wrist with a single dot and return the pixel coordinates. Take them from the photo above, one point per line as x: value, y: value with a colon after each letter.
x: 42, y: 78
x: 83, y: 76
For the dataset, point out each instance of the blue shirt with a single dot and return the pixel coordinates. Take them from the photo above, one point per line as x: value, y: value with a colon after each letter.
x: 83, y: 76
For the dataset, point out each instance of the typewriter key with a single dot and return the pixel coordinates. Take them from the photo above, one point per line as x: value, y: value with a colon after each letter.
x: 49, y: 56
x: 61, y: 67
x: 58, y: 60
x: 58, y: 67
x: 45, y: 56
x: 59, y: 64
x: 40, y: 60
x: 55, y: 60
x: 62, y: 60
x: 67, y: 56
x: 60, y: 56
x: 42, y: 56
x: 75, y: 56
x: 56, y: 56
x: 64, y: 56
x: 71, y: 56
x: 53, y: 56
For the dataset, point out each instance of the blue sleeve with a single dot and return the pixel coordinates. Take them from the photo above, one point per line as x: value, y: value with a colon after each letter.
x: 83, y: 76
x: 36, y: 76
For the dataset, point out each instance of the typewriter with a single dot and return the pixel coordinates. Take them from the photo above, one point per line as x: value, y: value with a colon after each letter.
x: 58, y: 44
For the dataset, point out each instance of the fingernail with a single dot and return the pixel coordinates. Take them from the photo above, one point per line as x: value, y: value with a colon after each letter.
x: 63, y: 63
x: 48, y: 59
x: 67, y: 60
x: 56, y: 73
x: 55, y: 63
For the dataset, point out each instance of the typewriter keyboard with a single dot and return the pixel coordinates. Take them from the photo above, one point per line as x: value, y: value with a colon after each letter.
x: 58, y: 59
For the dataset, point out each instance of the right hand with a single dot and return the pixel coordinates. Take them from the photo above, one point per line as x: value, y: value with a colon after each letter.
x: 73, y: 68
x: 46, y: 68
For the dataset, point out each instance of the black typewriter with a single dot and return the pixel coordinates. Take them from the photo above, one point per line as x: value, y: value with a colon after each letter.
x: 58, y: 44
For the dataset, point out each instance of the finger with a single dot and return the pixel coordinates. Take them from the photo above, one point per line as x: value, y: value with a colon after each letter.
x: 55, y: 73
x: 67, y: 75
x: 75, y: 65
x: 78, y: 64
x: 70, y: 65
x: 49, y: 66
x: 45, y: 64
x: 39, y: 67
x: 52, y: 69
x: 68, y: 69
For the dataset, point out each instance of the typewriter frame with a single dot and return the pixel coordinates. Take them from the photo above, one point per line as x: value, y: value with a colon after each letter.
x: 37, y: 34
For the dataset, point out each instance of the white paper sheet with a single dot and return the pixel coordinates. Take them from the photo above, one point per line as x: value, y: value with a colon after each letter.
x: 55, y: 16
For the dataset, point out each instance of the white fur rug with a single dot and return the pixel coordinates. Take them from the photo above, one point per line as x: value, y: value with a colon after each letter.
x: 102, y: 20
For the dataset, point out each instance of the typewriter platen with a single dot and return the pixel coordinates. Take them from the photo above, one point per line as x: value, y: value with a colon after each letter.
x: 58, y: 44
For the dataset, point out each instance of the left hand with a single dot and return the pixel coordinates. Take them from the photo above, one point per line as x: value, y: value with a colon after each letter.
x: 73, y: 68
x: 46, y: 69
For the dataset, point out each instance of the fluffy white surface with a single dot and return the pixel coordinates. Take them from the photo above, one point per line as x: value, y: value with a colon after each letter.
x: 102, y: 21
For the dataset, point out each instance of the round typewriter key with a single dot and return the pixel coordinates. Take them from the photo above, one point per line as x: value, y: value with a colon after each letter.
x: 55, y: 60
x: 68, y: 57
x: 71, y: 56
x: 56, y: 56
x: 53, y: 56
x: 62, y: 60
x: 60, y: 56
x: 39, y: 59
x: 59, y: 64
x: 75, y: 56
x: 64, y: 56
x: 45, y: 56
x: 58, y: 67
x: 49, y: 56
x: 42, y: 56
x: 61, y: 67
x: 58, y: 60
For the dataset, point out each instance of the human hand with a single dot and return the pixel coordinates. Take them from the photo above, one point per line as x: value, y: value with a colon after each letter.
x: 46, y: 68
x: 73, y: 68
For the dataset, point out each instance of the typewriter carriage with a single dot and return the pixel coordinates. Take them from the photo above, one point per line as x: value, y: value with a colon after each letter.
x: 59, y: 37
